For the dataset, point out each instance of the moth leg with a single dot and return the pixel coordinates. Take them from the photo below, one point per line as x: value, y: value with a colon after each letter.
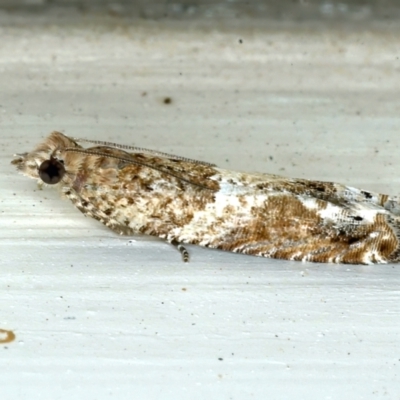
x: 182, y: 250
x: 88, y: 209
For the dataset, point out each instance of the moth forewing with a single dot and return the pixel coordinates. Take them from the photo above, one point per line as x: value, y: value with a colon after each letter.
x: 183, y: 201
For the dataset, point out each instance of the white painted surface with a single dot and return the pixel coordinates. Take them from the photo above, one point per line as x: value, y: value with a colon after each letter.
x: 98, y: 317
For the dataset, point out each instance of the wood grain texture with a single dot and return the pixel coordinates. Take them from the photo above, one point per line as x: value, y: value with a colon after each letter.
x: 98, y: 317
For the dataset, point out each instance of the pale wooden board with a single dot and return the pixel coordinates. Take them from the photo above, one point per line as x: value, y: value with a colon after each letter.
x: 98, y: 317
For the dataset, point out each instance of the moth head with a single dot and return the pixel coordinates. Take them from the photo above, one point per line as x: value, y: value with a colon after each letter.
x: 51, y: 171
x: 45, y: 163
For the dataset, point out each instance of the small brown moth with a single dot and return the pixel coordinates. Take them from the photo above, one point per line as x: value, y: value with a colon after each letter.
x: 133, y: 190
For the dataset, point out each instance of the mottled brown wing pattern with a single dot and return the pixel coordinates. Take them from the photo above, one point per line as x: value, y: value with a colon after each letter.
x: 188, y: 201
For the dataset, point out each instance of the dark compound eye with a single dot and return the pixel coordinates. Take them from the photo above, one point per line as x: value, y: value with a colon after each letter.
x: 51, y: 171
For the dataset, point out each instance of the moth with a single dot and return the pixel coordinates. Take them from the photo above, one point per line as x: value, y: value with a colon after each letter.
x: 133, y: 190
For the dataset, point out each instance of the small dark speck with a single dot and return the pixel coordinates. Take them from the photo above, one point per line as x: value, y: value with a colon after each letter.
x: 240, y: 41
x: 271, y: 158
x: 144, y: 94
x: 367, y: 195
x: 220, y: 359
x: 167, y: 100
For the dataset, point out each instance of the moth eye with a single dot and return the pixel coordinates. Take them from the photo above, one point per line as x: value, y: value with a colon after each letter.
x: 51, y: 171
